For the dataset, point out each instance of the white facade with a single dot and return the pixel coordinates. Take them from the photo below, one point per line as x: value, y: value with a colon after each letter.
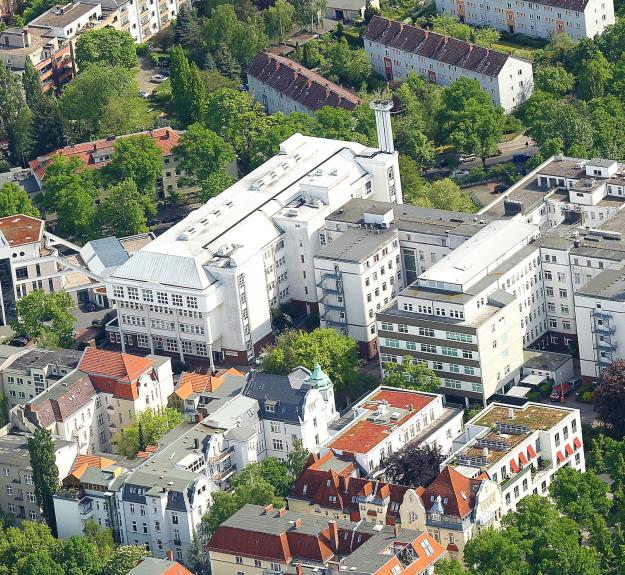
x: 208, y: 284
x: 584, y: 19
x: 520, y: 447
x: 509, y: 83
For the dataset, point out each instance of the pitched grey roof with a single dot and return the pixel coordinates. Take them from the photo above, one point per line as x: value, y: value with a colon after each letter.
x: 276, y: 391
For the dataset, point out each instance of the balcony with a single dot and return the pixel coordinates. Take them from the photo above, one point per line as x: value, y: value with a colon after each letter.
x: 222, y: 475
x: 600, y: 313
x: 221, y: 455
x: 602, y: 344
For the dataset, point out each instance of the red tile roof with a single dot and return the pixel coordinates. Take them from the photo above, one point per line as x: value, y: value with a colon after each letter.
x: 364, y: 435
x: 84, y: 462
x: 165, y: 138
x: 20, y: 229
x: 435, y: 46
x: 115, y: 372
x: 299, y: 83
x: 458, y: 490
x: 191, y: 382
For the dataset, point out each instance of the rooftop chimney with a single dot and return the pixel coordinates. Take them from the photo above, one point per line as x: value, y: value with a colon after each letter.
x: 396, y: 530
x: 334, y: 536
x: 269, y: 508
x: 300, y: 571
x: 282, y: 511
x: 382, y: 109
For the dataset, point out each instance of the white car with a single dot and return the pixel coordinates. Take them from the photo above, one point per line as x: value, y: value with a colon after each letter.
x: 459, y: 173
x: 158, y: 78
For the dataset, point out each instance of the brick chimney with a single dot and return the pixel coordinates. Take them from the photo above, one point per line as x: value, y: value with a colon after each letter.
x: 26, y: 37
x: 396, y: 530
x: 282, y: 511
x: 299, y: 568
x: 298, y: 523
x: 268, y: 508
x: 334, y: 536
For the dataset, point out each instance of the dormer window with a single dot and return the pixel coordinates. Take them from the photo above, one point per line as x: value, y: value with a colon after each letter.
x: 270, y: 406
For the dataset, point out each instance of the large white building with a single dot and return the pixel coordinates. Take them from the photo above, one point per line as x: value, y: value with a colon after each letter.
x: 578, y: 19
x: 396, y: 49
x: 206, y: 287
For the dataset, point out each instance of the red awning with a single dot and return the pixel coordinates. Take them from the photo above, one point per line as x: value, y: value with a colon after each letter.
x: 452, y: 547
x: 514, y: 466
x: 568, y: 449
x: 577, y: 443
x: 560, y: 457
x: 530, y: 452
x: 522, y: 458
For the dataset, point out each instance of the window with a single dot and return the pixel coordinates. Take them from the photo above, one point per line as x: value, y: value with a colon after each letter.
x: 239, y: 560
x: 450, y: 351
x: 426, y: 332
x: 278, y: 445
x: 392, y: 343
x: 147, y: 295
x: 176, y: 299
x: 275, y: 427
x: 133, y: 293
x: 386, y: 326
x: 118, y: 291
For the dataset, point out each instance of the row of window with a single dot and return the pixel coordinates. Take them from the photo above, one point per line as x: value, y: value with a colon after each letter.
x: 147, y: 295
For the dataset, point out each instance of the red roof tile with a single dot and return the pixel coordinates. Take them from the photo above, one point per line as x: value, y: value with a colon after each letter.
x: 165, y: 138
x: 191, y: 382
x: 435, y: 46
x: 299, y: 83
x: 84, y: 462
x: 458, y: 490
x: 20, y: 230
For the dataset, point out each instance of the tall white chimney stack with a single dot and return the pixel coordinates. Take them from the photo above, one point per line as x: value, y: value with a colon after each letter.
x: 382, y: 109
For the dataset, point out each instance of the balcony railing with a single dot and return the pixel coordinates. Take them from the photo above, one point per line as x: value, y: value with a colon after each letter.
x: 221, y: 455
x: 221, y: 475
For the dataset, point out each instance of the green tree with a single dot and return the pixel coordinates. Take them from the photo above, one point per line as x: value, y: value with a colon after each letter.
x: 485, y: 36
x: 48, y: 131
x: 139, y: 159
x: 494, y: 553
x: 187, y: 30
x: 351, y: 66
x: 46, y: 317
x: 106, y: 46
x: 609, y: 398
x: 336, y: 353
x: 123, y: 211
x: 31, y: 83
x: 449, y: 26
x: 309, y: 13
x: 414, y: 187
x: 43, y: 462
x: 278, y: 20
x: 70, y: 191
x: 124, y: 558
x: 19, y: 135
x: 409, y: 374
x: 594, y: 77
x: 580, y: 495
x: 205, y: 158
x: 154, y: 424
x: 15, y: 200
x: 296, y: 459
x: 227, y: 64
x: 469, y: 119
x: 187, y: 87
x: 445, y: 194
x: 95, y: 94
x: 449, y: 567
x: 554, y: 80
x: 215, y: 80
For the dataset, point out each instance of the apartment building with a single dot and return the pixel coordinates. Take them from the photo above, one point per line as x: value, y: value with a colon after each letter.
x: 451, y: 509
x: 520, y: 448
x: 396, y: 49
x: 282, y: 541
x: 348, y: 271
x: 99, y: 398
x: 468, y: 316
x: 49, y: 41
x: 297, y: 407
x: 31, y: 371
x: 282, y: 85
x: 154, y: 566
x: 98, y: 153
x: 17, y: 490
x: 579, y: 19
x: 386, y: 420
x: 205, y: 288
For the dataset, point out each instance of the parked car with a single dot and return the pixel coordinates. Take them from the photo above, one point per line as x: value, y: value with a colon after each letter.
x: 522, y: 157
x: 89, y: 306
x: 560, y: 391
x: 500, y: 189
x: 459, y: 173
x: 158, y: 78
x: 441, y: 163
x: 466, y: 158
x: 19, y: 341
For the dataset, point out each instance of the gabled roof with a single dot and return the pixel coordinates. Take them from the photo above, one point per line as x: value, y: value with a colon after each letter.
x: 84, y: 462
x: 456, y: 492
x: 192, y: 382
x: 435, y: 46
x: 299, y: 83
x: 154, y: 566
x: 165, y: 138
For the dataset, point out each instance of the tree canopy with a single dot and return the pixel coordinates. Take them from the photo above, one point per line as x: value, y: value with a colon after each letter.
x: 411, y: 374
x: 106, y: 46
x: 15, y: 200
x: 416, y: 465
x: 45, y: 473
x: 609, y: 397
x: 146, y: 429
x: 46, y: 317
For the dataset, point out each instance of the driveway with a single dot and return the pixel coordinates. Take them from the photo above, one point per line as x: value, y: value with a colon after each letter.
x: 146, y: 69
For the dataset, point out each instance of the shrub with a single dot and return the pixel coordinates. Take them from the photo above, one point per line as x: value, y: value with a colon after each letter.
x: 546, y: 389
x: 587, y: 396
x: 155, y: 58
x: 142, y: 49
x: 534, y: 396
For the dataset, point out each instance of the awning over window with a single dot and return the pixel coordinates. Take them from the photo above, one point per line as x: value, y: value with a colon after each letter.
x: 514, y: 466
x: 577, y: 443
x: 522, y: 458
x: 568, y: 449
x: 560, y: 457
x: 530, y: 452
